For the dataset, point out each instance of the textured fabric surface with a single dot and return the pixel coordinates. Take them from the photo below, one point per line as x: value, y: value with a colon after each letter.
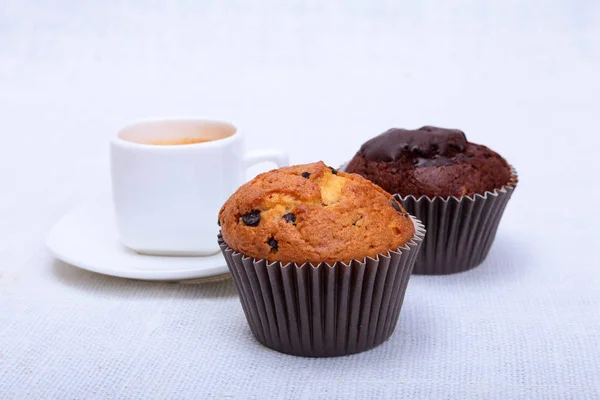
x: 317, y: 79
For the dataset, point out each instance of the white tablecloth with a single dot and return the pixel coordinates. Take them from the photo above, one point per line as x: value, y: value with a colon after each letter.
x: 316, y: 78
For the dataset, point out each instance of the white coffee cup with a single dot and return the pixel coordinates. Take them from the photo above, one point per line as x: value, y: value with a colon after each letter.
x: 167, y: 197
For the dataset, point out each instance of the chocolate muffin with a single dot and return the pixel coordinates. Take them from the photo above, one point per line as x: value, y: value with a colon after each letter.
x: 457, y: 188
x: 430, y: 161
x: 313, y: 213
x: 321, y: 259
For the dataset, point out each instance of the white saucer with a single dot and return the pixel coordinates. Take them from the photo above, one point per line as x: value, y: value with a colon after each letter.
x: 87, y: 238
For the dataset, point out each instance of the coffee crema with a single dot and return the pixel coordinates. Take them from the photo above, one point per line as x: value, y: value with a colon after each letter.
x: 180, y: 141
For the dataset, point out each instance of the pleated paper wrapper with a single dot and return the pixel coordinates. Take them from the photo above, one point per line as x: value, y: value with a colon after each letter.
x: 460, y: 231
x: 324, y: 310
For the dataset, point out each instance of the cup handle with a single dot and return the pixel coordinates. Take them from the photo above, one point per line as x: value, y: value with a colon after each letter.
x: 277, y: 157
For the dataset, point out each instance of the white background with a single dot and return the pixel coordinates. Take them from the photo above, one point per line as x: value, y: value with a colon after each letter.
x: 316, y: 78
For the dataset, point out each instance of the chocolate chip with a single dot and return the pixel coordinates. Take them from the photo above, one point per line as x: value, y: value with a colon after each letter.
x: 289, y: 217
x: 333, y: 171
x: 396, y: 206
x: 273, y: 244
x: 252, y: 218
x: 306, y: 175
x: 218, y: 222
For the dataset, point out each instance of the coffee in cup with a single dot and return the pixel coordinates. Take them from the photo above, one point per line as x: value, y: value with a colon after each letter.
x: 177, y: 142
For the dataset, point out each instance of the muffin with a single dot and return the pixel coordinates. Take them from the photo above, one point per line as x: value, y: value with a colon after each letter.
x: 320, y: 258
x: 457, y: 188
x: 311, y: 213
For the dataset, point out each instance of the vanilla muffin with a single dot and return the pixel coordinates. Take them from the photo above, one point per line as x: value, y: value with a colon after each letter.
x: 313, y: 213
x: 321, y: 259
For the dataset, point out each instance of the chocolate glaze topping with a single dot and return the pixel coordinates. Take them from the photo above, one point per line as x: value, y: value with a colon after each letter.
x: 425, y: 142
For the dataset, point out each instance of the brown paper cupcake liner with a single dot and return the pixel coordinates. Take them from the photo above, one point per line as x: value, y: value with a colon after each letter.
x: 323, y: 310
x: 460, y: 231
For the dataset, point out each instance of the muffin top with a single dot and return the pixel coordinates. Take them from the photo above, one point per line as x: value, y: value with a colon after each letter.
x: 313, y: 213
x: 430, y: 161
